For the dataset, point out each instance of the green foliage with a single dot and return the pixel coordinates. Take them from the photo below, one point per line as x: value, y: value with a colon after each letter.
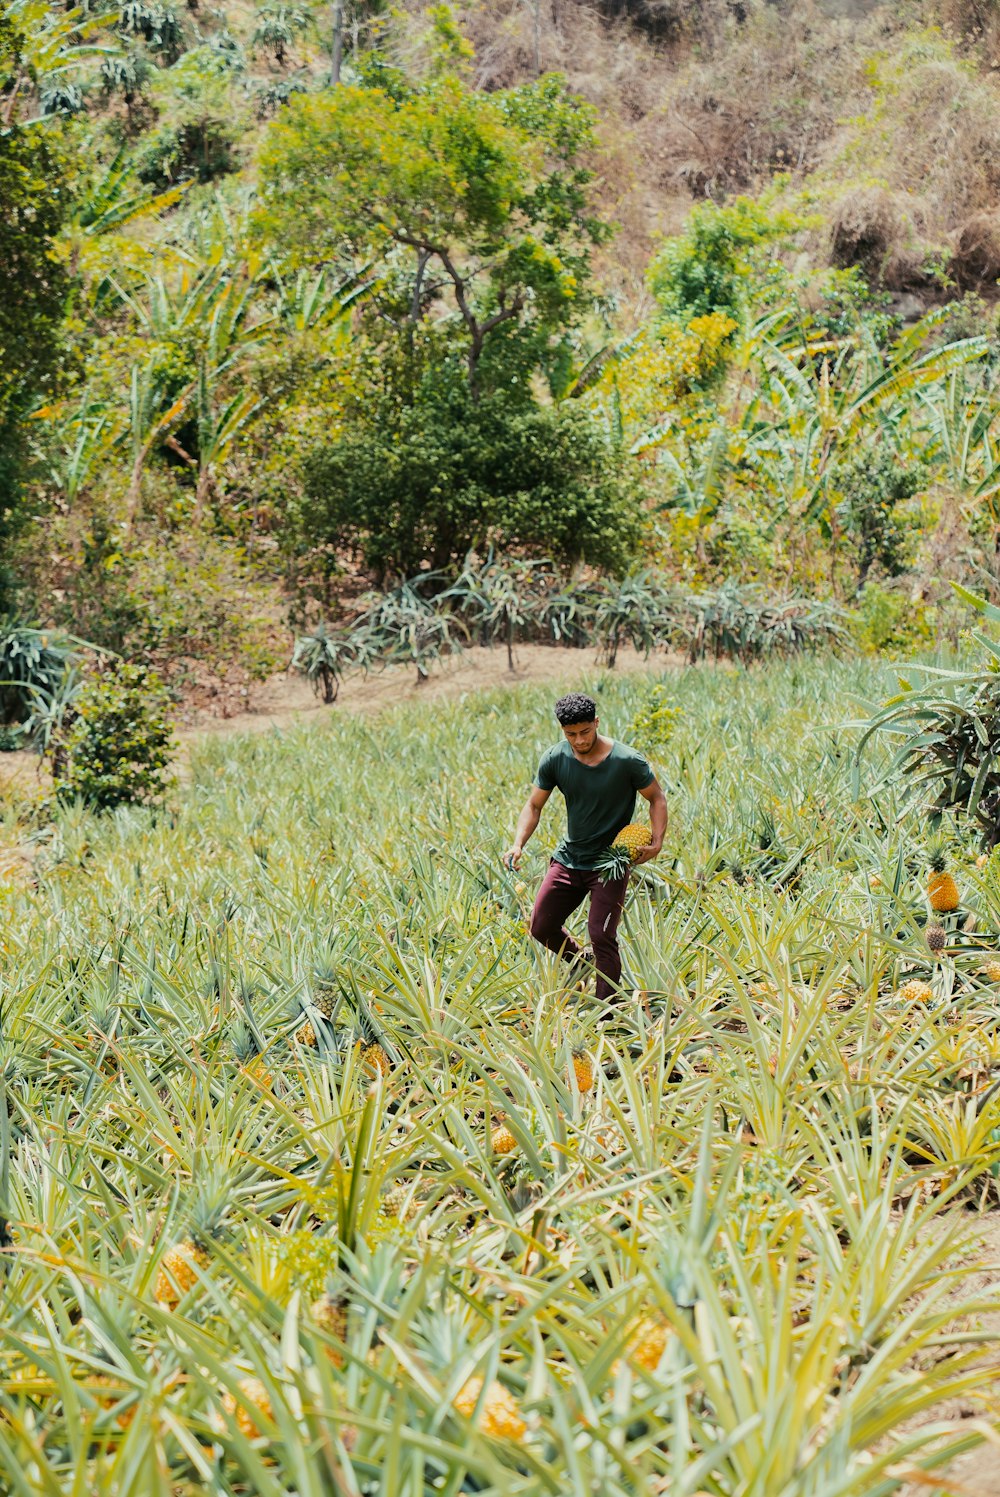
x: 119, y: 747
x: 428, y: 481
x: 873, y: 486
x: 710, y: 267
x: 323, y: 658
x: 33, y: 201
x: 655, y: 720
x: 33, y: 664
x: 480, y: 195
x: 746, y: 625
x: 886, y: 621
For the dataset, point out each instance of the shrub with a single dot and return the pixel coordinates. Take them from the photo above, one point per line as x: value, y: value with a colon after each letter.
x: 431, y: 481
x: 119, y: 746
x: 872, y: 487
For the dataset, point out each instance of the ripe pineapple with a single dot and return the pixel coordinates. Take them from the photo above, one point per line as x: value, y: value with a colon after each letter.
x: 109, y: 1392
x: 942, y: 890
x: 499, y: 1415
x: 915, y: 991
x: 306, y: 1035
x: 330, y: 1315
x: 991, y: 969
x: 502, y: 1141
x: 253, y: 1399
x: 583, y: 1070
x: 646, y: 1343
x: 374, y: 1058
x: 616, y: 860
x: 178, y: 1272
x: 937, y: 937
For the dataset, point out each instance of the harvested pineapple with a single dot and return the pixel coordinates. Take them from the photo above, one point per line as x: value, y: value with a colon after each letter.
x: 616, y: 861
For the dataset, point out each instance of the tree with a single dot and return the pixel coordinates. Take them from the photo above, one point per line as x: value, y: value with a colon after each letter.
x: 32, y: 206
x: 425, y: 472
x: 478, y: 202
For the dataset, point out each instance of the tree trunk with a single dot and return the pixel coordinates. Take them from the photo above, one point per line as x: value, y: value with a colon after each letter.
x: 337, y: 51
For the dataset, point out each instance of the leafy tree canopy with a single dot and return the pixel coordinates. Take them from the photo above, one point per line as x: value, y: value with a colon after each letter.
x: 32, y: 205
x: 476, y: 200
x: 710, y: 267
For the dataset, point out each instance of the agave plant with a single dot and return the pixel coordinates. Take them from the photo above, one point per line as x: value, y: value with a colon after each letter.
x: 948, y: 732
x: 324, y: 659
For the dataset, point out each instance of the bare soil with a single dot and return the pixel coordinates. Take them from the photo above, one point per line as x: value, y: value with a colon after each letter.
x: 976, y: 1474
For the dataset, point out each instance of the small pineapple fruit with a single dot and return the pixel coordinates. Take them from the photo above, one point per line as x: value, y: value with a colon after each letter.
x: 499, y: 1415
x: 400, y: 1202
x: 325, y: 989
x: 942, y: 890
x: 937, y: 937
x: 178, y: 1273
x: 874, y: 882
x: 915, y: 991
x: 502, y: 1141
x: 982, y: 860
x: 306, y: 1035
x: 108, y: 1392
x: 646, y: 1344
x: 330, y: 1315
x: 520, y: 887
x: 991, y: 969
x: 247, y: 1406
x: 374, y: 1058
x: 617, y: 859
x: 583, y: 1070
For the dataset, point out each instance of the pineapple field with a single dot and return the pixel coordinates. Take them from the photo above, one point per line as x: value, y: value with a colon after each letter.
x: 318, y: 1177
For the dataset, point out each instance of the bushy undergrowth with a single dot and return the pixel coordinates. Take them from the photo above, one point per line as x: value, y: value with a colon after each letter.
x: 258, y: 1046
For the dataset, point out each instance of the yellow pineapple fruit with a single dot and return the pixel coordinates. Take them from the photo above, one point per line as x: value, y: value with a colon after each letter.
x: 178, y: 1273
x: 982, y: 860
x: 499, y: 1415
x: 583, y: 1071
x: 330, y: 1315
x: 991, y: 969
x: 306, y: 1035
x: 942, y: 890
x: 520, y: 887
x: 646, y: 1343
x: 915, y: 991
x: 374, y: 1058
x: 617, y: 859
x: 108, y: 1392
x: 502, y: 1141
x: 253, y: 1400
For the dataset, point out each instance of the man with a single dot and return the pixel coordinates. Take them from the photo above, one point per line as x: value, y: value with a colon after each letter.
x: 599, y: 778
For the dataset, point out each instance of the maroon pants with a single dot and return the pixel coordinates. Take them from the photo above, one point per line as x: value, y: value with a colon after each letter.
x: 564, y: 890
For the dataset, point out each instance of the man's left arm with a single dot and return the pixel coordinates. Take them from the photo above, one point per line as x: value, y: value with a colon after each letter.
x: 657, y: 820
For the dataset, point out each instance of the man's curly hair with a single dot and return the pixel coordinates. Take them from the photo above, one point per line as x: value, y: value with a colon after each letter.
x: 576, y: 708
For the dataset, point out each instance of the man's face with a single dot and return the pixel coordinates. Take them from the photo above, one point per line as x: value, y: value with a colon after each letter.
x: 581, y: 736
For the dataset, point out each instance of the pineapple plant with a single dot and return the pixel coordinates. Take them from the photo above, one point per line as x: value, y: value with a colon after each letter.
x: 942, y: 890
x: 180, y: 1264
x: 499, y: 1414
x: 325, y: 996
x: 617, y: 859
x: 306, y: 1035
x: 246, y: 1049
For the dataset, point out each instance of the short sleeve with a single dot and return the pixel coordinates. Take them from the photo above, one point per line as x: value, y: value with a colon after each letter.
x: 642, y: 774
x: 545, y: 779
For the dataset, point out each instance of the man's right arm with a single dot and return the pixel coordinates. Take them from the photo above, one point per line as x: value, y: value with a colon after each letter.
x: 526, y: 823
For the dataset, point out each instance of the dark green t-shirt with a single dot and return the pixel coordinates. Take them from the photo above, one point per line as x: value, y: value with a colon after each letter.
x: 600, y: 798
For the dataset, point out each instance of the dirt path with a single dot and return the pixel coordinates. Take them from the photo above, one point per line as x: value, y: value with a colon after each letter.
x: 283, y: 699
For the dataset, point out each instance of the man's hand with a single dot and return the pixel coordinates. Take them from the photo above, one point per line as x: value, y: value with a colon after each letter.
x: 647, y: 854
x: 512, y: 858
